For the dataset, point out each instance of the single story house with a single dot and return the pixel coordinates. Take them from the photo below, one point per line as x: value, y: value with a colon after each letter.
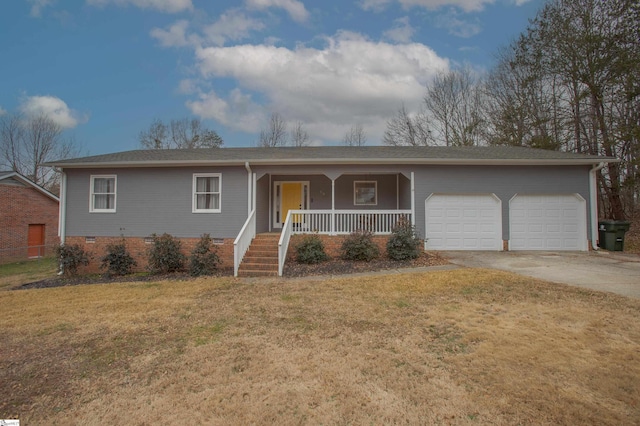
x: 458, y: 198
x: 28, y: 218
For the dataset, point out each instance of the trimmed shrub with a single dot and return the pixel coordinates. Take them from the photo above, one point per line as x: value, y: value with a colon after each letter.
x: 165, y: 255
x: 310, y: 250
x: 404, y: 243
x: 359, y: 245
x: 118, y: 261
x: 71, y: 257
x: 204, y: 258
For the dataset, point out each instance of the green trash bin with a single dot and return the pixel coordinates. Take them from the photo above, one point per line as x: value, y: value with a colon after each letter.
x: 611, y: 234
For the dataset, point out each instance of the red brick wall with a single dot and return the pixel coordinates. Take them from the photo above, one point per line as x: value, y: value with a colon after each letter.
x: 19, y: 207
x: 138, y: 248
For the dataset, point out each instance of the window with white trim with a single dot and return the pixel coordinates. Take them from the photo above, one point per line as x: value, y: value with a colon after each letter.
x: 365, y: 193
x: 207, y: 190
x: 103, y: 194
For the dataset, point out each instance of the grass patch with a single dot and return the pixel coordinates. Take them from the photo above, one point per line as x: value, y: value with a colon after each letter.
x: 467, y: 346
x: 18, y: 273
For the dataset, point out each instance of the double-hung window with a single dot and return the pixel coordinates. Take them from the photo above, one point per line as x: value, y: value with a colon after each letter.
x: 103, y: 194
x: 207, y: 190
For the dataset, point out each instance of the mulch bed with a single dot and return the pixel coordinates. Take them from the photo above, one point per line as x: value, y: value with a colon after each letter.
x: 291, y: 269
x: 339, y: 266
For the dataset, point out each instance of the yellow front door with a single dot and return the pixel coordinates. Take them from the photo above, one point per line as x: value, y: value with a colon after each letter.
x: 291, y: 199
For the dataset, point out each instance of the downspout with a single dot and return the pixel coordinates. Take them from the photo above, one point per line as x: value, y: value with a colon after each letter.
x: 413, y: 199
x: 593, y: 201
x: 249, y: 188
x: 62, y: 213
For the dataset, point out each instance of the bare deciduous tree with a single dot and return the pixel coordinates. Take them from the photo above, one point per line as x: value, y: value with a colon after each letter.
x: 405, y: 130
x: 453, y: 108
x: 299, y: 136
x: 183, y: 133
x: 355, y: 136
x: 28, y: 142
x: 276, y: 133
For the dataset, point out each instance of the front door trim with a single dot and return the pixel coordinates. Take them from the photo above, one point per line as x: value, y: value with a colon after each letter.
x: 276, y: 202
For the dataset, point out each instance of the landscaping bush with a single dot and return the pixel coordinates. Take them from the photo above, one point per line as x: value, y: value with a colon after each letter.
x: 71, y: 257
x: 118, y: 261
x: 310, y: 250
x: 165, y: 255
x: 404, y: 243
x: 204, y: 258
x: 359, y: 245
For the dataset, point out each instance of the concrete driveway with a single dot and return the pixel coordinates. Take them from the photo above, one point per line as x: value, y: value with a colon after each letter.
x: 615, y: 272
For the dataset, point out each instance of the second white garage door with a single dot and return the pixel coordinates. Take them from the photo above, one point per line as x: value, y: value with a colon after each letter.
x: 463, y: 222
x: 548, y: 222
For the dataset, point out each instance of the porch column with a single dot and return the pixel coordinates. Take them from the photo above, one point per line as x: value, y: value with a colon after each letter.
x: 333, y: 206
x: 413, y: 200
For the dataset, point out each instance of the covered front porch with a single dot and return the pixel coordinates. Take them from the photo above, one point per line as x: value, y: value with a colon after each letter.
x: 334, y: 202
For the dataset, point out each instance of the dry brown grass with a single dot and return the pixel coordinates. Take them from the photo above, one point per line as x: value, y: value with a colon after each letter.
x: 466, y: 346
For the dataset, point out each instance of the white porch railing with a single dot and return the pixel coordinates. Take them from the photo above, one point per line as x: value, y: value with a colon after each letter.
x: 346, y: 221
x: 333, y: 222
x: 243, y: 241
x: 283, y: 244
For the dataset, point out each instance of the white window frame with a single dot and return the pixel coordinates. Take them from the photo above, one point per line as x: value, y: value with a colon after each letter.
x: 92, y: 193
x: 194, y: 194
x: 355, y: 192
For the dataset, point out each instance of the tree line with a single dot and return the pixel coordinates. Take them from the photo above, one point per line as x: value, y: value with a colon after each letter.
x: 569, y: 82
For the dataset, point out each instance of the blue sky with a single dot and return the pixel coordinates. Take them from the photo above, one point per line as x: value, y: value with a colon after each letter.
x: 104, y: 69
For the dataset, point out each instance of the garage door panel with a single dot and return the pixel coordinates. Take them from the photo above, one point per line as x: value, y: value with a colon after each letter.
x: 471, y: 222
x: 547, y: 222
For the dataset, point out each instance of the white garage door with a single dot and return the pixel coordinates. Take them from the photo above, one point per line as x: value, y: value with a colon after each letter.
x: 463, y: 222
x: 548, y: 222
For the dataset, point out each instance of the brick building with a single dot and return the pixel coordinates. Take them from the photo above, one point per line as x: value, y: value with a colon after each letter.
x: 28, y: 218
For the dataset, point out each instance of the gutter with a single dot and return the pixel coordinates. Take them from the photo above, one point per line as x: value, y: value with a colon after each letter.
x: 593, y: 200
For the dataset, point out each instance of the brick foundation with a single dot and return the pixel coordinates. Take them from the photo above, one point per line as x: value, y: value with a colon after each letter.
x: 138, y: 248
x: 333, y: 243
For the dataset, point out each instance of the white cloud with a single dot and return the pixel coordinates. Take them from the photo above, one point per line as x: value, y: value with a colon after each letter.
x: 466, y: 5
x: 54, y: 108
x: 238, y: 112
x: 294, y: 8
x: 168, y: 6
x: 2, y: 111
x: 232, y: 25
x: 175, y: 36
x: 520, y: 2
x: 37, y: 6
x: 401, y: 32
x: 351, y: 80
x: 457, y: 26
x: 187, y: 87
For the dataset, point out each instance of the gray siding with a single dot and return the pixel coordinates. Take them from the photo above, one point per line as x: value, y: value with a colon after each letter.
x: 156, y: 200
x: 262, y: 204
x: 387, y: 192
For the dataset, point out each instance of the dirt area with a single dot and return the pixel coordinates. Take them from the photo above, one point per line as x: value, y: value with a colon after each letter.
x: 459, y: 347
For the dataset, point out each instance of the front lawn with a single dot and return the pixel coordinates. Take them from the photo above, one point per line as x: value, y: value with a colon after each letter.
x: 467, y: 346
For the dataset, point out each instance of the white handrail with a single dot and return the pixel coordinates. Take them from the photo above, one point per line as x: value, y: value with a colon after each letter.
x: 283, y: 243
x: 243, y: 241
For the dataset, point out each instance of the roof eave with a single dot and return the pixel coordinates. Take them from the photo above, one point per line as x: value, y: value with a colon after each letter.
x: 297, y: 161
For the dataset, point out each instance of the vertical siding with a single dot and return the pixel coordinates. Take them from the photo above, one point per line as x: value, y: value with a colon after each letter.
x: 157, y: 200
